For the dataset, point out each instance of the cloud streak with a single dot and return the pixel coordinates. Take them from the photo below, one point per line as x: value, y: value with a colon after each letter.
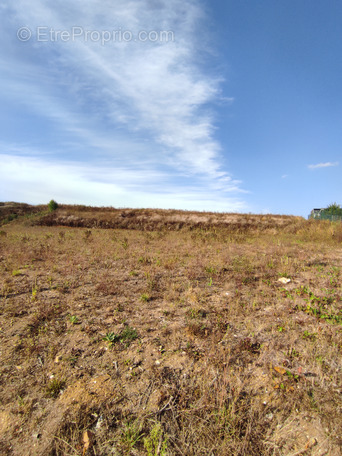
x: 70, y: 182
x: 142, y: 104
x: 323, y: 165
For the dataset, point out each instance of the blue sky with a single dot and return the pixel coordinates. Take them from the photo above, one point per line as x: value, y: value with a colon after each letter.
x: 237, y: 108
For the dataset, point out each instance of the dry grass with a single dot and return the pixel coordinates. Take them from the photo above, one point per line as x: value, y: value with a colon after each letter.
x: 155, y: 219
x: 172, y: 341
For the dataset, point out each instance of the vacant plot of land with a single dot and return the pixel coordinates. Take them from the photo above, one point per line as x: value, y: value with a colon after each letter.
x: 171, y: 342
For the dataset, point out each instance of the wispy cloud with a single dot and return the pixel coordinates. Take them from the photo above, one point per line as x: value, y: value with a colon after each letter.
x: 323, y: 165
x: 71, y: 182
x: 142, y: 104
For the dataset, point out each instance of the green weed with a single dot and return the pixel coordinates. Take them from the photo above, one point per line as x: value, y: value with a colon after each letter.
x: 145, y: 297
x: 126, y: 336
x: 131, y: 434
x: 16, y: 272
x: 55, y: 386
x: 73, y: 319
x: 156, y: 444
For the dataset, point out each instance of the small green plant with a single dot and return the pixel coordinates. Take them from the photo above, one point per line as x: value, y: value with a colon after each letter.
x: 292, y: 353
x: 128, y: 334
x: 196, y: 313
x: 270, y: 264
x: 52, y: 205
x: 144, y: 260
x: 302, y: 291
x: 145, y: 297
x: 55, y: 386
x: 111, y: 338
x: 73, y: 319
x: 21, y: 401
x: 131, y: 434
x: 151, y: 282
x: 34, y: 291
x: 16, y: 272
x: 124, y: 243
x: 210, y: 270
x: 285, y: 293
x: 156, y: 444
x: 313, y: 402
x: 310, y: 336
x: 284, y: 274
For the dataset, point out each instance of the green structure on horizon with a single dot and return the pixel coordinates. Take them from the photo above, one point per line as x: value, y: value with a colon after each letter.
x: 332, y: 212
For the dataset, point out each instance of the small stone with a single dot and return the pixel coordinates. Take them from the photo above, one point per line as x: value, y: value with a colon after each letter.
x: 99, y: 423
x: 284, y: 280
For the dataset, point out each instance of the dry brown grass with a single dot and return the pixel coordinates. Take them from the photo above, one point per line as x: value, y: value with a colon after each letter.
x: 157, y: 219
x: 174, y: 342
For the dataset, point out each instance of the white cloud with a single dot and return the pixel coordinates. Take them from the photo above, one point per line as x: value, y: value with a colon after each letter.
x: 323, y: 165
x: 143, y: 105
x: 78, y: 183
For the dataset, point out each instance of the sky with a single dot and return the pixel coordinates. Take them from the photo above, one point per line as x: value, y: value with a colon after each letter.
x: 221, y: 105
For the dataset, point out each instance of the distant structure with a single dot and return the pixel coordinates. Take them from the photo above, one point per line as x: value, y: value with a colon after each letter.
x: 315, y: 213
x: 324, y: 214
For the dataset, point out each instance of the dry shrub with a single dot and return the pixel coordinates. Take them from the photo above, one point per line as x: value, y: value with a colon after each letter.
x: 67, y: 438
x: 337, y: 232
x: 217, y: 416
x: 107, y: 288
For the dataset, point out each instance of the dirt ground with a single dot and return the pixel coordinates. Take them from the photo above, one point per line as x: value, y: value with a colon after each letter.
x: 195, y: 340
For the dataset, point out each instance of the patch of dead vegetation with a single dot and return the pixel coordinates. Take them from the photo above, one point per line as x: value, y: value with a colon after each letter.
x: 154, y: 219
